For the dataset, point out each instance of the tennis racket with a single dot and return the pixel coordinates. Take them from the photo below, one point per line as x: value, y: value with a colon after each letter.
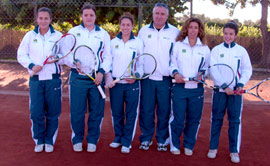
x: 262, y: 90
x: 221, y: 76
x: 65, y: 44
x: 88, y: 63
x: 140, y: 67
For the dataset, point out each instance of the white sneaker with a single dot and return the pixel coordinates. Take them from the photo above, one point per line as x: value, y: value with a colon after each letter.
x: 77, y: 147
x: 39, y: 148
x: 175, y: 151
x: 48, y: 148
x: 212, y: 153
x: 91, y: 147
x: 145, y: 145
x: 188, y: 152
x: 115, y: 145
x: 125, y: 149
x: 161, y: 147
x: 235, y: 157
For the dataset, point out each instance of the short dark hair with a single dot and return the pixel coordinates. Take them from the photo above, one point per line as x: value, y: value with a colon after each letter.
x: 89, y: 6
x: 231, y: 24
x: 45, y: 9
x: 127, y: 15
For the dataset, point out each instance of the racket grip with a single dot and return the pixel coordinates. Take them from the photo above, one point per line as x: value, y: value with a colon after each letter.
x: 32, y: 74
x: 101, y: 92
x: 185, y: 79
x: 115, y: 81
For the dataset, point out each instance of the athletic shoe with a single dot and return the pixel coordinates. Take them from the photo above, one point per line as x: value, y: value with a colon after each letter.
x: 91, y: 147
x: 235, y: 157
x: 188, y: 152
x: 115, y: 145
x: 161, y: 147
x: 125, y: 149
x: 39, y: 148
x: 175, y: 151
x: 145, y: 145
x: 48, y: 148
x: 212, y: 153
x: 77, y: 147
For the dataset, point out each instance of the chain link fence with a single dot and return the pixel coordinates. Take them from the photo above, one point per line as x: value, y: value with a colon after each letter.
x: 15, y: 14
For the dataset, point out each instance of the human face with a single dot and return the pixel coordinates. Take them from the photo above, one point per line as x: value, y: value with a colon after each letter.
x: 229, y: 35
x: 44, y: 20
x: 193, y: 30
x: 126, y: 26
x: 89, y: 18
x: 160, y: 16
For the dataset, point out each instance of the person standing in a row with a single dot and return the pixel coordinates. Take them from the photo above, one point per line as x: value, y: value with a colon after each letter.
x: 83, y: 90
x: 236, y: 56
x: 124, y: 95
x: 45, y: 86
x: 190, y: 55
x: 158, y: 39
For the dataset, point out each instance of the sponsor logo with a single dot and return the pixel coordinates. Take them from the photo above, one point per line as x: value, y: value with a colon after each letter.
x: 116, y: 46
x: 184, y: 50
x: 78, y: 34
x: 221, y: 55
x: 35, y: 40
x: 149, y: 36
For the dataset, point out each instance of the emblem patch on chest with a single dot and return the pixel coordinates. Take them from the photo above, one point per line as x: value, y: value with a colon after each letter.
x: 149, y: 36
x: 221, y: 55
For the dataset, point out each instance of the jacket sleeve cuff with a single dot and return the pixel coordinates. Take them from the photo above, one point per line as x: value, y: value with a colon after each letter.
x: 240, y: 85
x: 174, y: 72
x: 101, y: 71
x: 31, y: 65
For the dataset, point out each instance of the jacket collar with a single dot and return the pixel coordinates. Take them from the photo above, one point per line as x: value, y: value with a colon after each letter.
x: 97, y: 28
x: 130, y: 38
x: 166, y: 26
x: 231, y: 45
x: 50, y: 28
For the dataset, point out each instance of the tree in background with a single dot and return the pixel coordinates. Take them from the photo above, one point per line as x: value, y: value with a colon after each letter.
x: 23, y: 12
x: 263, y: 23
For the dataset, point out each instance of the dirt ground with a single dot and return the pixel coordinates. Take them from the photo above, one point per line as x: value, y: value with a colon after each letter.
x: 17, y: 145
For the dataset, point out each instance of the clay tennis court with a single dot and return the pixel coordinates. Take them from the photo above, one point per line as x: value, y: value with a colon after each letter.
x: 17, y: 146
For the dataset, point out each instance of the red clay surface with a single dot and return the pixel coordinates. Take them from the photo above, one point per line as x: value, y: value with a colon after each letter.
x: 17, y: 145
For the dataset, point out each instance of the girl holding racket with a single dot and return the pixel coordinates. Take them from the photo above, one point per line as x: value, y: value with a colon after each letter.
x: 190, y: 55
x: 124, y: 95
x: 225, y: 98
x: 84, y: 93
x: 45, y: 85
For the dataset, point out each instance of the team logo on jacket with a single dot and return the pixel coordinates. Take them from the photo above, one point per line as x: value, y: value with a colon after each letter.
x: 149, y: 36
x: 78, y: 34
x: 221, y: 55
x: 184, y: 50
x: 35, y: 40
x: 116, y: 46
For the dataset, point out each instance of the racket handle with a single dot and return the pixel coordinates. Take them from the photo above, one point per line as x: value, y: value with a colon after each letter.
x: 185, y: 79
x: 32, y: 74
x: 115, y: 81
x: 101, y: 92
x: 241, y: 91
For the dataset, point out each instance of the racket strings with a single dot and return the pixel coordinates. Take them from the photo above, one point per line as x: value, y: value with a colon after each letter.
x: 263, y: 90
x: 87, y: 59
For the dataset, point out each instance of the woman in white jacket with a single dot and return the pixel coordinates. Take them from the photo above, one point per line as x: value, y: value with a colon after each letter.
x: 190, y: 55
x: 45, y: 85
x: 237, y: 57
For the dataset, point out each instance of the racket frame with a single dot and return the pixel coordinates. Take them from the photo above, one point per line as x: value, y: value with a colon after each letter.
x: 257, y: 90
x: 98, y: 86
x: 202, y: 73
x: 129, y: 71
x: 47, y: 61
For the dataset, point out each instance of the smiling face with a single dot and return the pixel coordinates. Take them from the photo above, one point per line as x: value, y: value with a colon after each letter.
x: 44, y: 20
x: 193, y: 30
x: 229, y: 35
x: 160, y: 16
x: 126, y: 26
x: 89, y: 18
